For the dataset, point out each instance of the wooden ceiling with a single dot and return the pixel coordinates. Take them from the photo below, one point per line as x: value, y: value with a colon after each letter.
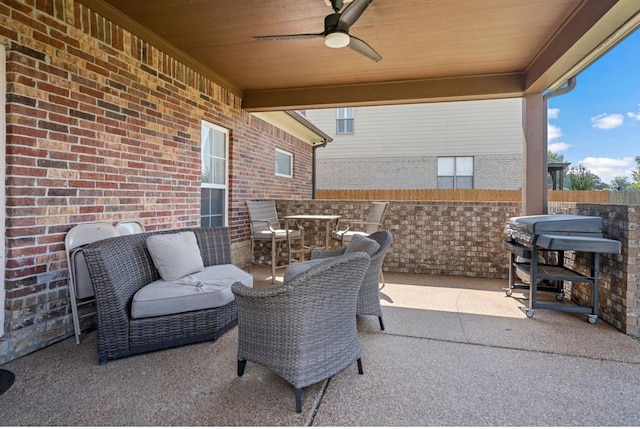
x: 432, y: 50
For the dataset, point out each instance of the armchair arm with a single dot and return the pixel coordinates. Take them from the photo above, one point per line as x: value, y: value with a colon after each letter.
x: 114, y: 286
x: 345, y: 221
x: 257, y: 224
x: 285, y: 225
x: 352, y: 222
x: 252, y: 294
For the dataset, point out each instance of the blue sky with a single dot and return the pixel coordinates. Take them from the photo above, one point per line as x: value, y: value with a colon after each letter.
x: 598, y: 123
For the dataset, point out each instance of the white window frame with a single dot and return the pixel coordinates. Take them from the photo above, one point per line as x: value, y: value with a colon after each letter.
x: 343, y: 116
x: 290, y: 156
x: 210, y: 127
x: 455, y: 174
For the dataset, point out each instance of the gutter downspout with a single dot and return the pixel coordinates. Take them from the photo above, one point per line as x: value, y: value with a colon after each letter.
x: 315, y: 146
x: 324, y: 139
x: 568, y: 87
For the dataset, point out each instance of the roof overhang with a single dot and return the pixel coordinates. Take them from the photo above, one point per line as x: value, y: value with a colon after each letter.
x: 296, y: 125
x: 433, y: 50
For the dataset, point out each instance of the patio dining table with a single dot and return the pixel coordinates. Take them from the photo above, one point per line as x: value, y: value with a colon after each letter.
x: 328, y: 220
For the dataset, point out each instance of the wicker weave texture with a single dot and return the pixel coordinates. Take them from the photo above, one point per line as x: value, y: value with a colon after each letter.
x: 369, y: 297
x: 120, y: 266
x: 305, y: 330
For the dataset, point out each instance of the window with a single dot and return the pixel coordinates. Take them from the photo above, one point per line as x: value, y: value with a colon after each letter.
x: 284, y: 163
x: 214, y: 156
x: 455, y: 172
x: 344, y: 122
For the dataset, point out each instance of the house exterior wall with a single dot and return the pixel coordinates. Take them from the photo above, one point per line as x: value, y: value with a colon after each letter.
x: 400, y: 144
x: 102, y: 126
x: 411, y: 172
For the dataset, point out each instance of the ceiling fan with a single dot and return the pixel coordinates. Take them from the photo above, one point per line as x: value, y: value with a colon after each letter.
x: 336, y: 29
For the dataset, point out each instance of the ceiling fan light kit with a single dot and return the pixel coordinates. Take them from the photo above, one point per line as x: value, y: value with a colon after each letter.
x: 336, y: 29
x: 337, y: 40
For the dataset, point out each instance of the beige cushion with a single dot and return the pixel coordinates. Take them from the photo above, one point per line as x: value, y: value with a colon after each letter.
x: 175, y: 255
x: 210, y: 288
x: 360, y: 243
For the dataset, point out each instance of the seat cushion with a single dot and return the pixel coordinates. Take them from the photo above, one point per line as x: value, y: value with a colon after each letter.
x: 281, y: 234
x: 175, y: 255
x: 210, y: 288
x: 360, y: 243
x: 298, y: 268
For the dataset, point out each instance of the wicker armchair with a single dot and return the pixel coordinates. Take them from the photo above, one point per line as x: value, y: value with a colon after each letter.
x: 305, y: 330
x: 369, y: 297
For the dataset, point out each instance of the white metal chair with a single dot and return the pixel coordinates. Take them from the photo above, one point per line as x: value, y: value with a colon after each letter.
x: 347, y: 228
x: 130, y: 226
x: 80, y: 287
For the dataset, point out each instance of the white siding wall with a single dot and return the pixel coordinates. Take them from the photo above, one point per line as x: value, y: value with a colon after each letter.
x: 397, y: 146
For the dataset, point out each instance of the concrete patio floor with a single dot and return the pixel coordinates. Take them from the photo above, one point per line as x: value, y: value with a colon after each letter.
x: 456, y: 352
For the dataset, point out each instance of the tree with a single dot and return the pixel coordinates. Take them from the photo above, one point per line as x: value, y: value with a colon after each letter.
x: 582, y: 179
x: 635, y: 176
x: 620, y: 183
x: 635, y: 172
x: 555, y: 157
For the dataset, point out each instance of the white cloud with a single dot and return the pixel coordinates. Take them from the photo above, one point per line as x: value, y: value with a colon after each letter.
x: 608, y: 168
x: 558, y: 147
x: 607, y: 122
x: 553, y: 132
x: 634, y: 116
x: 553, y: 113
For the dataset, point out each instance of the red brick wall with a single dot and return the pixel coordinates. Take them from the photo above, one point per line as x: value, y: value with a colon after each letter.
x: 102, y: 126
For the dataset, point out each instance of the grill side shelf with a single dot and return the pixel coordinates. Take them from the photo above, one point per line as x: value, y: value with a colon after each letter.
x: 554, y: 272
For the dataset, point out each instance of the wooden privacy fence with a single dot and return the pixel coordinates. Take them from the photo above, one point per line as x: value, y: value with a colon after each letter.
x: 602, y: 197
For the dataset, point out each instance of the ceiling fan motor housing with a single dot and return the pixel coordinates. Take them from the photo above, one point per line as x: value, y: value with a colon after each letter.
x: 331, y: 22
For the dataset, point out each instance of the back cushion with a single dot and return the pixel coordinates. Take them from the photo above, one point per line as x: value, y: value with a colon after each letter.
x: 361, y: 243
x: 175, y: 255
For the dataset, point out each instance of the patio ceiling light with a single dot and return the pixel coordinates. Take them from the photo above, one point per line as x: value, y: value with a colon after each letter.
x: 337, y: 40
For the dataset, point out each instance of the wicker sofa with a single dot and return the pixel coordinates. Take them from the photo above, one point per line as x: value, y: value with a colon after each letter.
x: 122, y: 266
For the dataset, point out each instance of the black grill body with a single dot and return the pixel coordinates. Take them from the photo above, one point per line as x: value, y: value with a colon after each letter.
x: 535, y: 242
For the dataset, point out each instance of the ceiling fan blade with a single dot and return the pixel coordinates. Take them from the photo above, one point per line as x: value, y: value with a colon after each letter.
x: 290, y: 36
x: 363, y: 48
x: 351, y: 13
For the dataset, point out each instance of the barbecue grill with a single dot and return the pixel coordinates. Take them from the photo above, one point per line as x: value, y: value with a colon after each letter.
x: 532, y: 236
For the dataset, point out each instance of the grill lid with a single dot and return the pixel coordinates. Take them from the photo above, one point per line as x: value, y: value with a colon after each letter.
x: 558, y: 224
